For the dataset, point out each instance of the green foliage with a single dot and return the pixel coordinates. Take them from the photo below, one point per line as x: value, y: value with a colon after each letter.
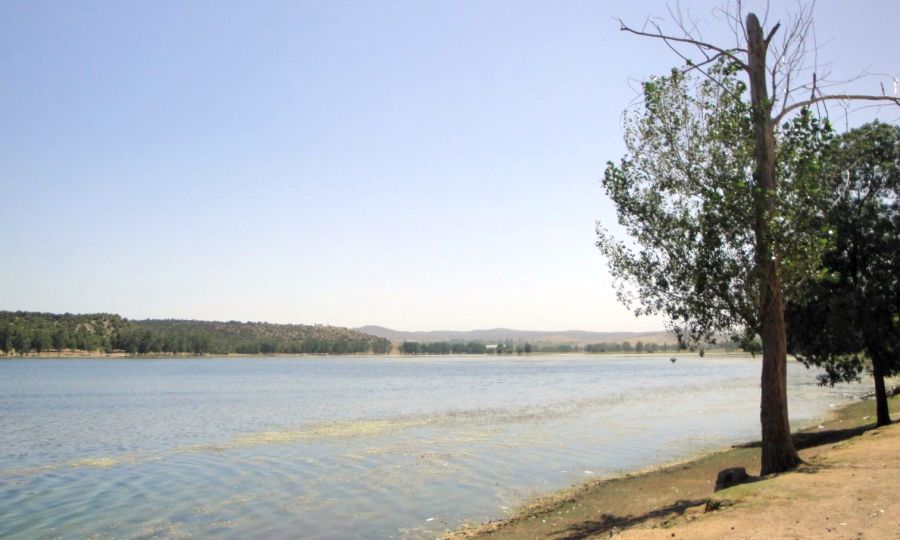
x: 442, y: 347
x: 684, y: 195
x: 851, y: 313
x: 25, y: 332
x: 618, y: 347
x: 804, y: 145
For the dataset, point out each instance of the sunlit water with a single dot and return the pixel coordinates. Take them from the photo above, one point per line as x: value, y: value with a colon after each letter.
x: 361, y: 447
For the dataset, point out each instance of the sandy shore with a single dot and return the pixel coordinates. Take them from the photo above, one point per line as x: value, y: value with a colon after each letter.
x: 845, y: 489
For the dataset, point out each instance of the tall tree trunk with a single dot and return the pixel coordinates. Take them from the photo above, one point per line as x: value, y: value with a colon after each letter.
x: 881, y: 403
x: 778, y: 452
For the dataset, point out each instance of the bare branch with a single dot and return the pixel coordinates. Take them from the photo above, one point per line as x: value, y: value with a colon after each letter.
x: 842, y: 97
x: 733, y: 20
x: 765, y: 20
x: 787, y: 87
x: 714, y: 79
x: 691, y: 65
x: 792, y: 51
x: 740, y: 16
x: 703, y: 46
x: 772, y: 33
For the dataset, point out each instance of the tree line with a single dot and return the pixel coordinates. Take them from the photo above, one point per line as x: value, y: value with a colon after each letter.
x: 24, y: 332
x: 442, y: 347
x: 510, y: 347
x: 627, y: 347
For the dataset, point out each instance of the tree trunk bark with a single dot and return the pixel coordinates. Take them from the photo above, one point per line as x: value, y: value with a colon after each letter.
x: 881, y: 403
x: 778, y: 452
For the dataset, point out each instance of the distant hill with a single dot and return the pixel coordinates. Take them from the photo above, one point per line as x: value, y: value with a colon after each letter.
x: 580, y: 337
x: 30, y: 332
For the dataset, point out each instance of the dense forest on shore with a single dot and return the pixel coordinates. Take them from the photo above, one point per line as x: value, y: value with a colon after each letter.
x: 23, y: 332
x: 511, y: 347
x: 30, y: 332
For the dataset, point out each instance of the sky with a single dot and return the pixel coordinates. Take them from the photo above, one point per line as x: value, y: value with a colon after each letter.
x: 417, y: 165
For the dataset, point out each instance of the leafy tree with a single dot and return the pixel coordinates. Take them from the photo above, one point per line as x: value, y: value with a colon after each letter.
x: 21, y: 339
x: 381, y: 346
x: 60, y: 338
x: 5, y: 337
x: 853, y: 310
x: 474, y: 347
x: 685, y: 194
x: 40, y: 340
x: 750, y: 176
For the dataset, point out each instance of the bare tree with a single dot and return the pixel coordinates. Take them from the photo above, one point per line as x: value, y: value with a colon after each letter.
x: 780, y: 67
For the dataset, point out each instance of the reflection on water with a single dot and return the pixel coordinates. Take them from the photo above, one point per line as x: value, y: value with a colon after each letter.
x: 362, y: 447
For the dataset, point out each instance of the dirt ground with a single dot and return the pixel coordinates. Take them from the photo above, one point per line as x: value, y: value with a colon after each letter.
x: 846, y: 489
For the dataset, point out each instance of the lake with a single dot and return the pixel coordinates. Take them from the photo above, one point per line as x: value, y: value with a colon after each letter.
x: 349, y: 447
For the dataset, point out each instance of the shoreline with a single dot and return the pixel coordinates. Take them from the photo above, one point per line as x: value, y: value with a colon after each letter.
x: 660, y: 497
x: 64, y: 355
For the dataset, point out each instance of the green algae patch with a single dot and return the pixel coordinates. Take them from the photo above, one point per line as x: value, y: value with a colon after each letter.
x: 97, y: 463
x: 335, y: 430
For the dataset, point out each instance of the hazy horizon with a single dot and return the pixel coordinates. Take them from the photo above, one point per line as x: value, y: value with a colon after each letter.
x: 411, y: 165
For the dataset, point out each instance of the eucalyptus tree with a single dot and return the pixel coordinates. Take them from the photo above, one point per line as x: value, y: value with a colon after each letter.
x: 717, y: 193
x: 851, y: 314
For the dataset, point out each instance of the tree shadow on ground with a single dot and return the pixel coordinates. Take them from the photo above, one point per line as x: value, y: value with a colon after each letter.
x: 808, y: 439
x: 831, y: 436
x: 608, y: 522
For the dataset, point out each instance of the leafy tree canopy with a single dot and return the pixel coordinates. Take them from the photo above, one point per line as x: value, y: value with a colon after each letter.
x: 851, y: 314
x: 684, y: 194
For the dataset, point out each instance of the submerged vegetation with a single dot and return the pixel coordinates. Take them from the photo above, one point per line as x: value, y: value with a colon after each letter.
x: 24, y: 332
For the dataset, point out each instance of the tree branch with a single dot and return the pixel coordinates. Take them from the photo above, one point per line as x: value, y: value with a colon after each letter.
x: 787, y: 88
x: 772, y: 33
x: 842, y: 97
x: 699, y: 44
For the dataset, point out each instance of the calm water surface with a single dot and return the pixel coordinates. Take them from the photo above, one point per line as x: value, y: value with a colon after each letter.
x: 361, y: 447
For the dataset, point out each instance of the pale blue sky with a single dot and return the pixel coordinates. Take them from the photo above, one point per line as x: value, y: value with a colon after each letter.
x: 418, y: 165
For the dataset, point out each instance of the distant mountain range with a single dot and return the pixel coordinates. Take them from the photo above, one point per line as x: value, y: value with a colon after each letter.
x: 507, y: 334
